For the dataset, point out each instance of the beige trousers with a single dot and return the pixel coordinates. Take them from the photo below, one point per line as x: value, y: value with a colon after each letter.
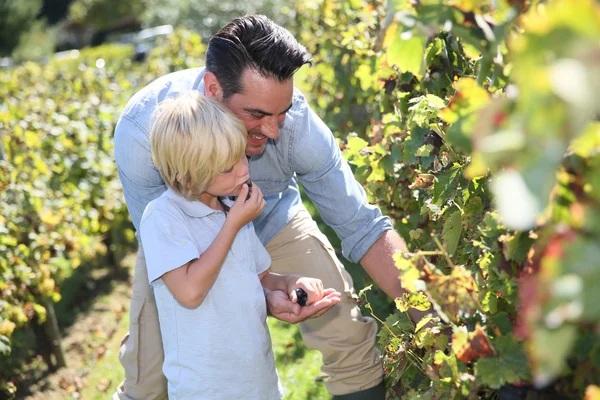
x: 346, y: 339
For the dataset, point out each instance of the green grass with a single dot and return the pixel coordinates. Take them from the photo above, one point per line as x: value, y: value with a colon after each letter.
x: 298, y: 367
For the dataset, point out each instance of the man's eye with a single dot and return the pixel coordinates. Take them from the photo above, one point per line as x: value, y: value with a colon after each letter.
x: 257, y: 116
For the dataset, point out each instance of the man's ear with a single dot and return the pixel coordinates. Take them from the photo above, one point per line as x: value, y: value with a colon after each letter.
x: 212, y: 87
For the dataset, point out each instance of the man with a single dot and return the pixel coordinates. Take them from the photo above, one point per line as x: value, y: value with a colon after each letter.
x: 250, y: 65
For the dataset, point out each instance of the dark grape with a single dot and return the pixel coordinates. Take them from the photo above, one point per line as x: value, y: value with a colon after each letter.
x: 249, y: 183
x: 302, y: 296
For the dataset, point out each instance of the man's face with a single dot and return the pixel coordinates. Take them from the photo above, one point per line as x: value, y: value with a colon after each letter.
x: 261, y: 107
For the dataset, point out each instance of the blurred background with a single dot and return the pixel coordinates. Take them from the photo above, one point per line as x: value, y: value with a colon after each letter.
x: 36, y: 29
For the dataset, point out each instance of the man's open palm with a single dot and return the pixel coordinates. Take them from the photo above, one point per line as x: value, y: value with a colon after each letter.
x: 281, y: 307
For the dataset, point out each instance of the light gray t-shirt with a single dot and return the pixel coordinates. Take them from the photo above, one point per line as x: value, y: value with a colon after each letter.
x: 221, y: 349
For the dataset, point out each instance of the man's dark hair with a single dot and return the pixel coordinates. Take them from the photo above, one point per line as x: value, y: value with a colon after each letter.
x: 253, y: 42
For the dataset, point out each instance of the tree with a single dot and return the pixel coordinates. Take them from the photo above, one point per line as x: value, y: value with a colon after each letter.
x: 16, y: 18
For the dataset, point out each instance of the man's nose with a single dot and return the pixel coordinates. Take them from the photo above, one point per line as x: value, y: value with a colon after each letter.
x: 271, y: 128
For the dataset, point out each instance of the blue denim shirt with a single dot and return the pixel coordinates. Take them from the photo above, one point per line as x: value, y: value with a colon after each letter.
x: 305, y: 151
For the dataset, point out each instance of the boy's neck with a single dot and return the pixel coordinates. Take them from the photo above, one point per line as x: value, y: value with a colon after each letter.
x: 213, y: 202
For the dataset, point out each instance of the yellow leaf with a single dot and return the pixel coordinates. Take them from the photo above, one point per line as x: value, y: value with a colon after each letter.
x: 7, y: 328
x: 592, y: 392
x: 49, y: 218
x: 75, y: 262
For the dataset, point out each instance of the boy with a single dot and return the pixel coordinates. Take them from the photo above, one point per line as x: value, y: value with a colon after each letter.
x: 205, y: 262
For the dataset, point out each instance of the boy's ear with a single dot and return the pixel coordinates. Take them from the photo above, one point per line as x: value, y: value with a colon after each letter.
x: 212, y: 87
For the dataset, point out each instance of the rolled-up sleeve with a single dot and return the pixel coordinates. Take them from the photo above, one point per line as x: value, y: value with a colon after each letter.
x: 139, y: 176
x: 329, y: 183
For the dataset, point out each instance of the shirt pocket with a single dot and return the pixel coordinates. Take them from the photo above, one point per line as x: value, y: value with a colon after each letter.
x: 270, y: 187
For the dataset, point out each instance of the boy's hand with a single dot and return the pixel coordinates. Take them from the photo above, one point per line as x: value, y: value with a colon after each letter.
x: 244, y: 211
x: 313, y: 288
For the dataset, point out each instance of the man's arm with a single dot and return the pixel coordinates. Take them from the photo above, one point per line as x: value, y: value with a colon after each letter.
x: 379, y: 264
x: 139, y: 176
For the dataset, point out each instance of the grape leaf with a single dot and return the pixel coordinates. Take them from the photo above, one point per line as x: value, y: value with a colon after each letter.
x: 451, y: 232
x: 445, y: 187
x: 517, y: 248
x: 469, y: 346
x: 416, y: 300
x: 407, y: 54
x: 510, y: 366
x: 454, y: 292
x: 4, y: 345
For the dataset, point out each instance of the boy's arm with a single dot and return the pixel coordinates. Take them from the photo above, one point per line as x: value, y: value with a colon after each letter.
x: 274, y: 281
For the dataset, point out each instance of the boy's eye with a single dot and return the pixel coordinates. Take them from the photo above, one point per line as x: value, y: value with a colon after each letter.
x: 228, y: 171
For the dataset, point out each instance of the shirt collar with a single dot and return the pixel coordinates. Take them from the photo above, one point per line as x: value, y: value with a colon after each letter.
x: 195, y: 209
x: 200, y: 82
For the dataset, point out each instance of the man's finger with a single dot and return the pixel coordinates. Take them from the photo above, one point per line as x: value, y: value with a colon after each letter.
x: 321, y: 307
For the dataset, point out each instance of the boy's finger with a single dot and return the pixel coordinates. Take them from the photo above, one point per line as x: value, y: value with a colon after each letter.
x: 243, y: 192
x: 293, y: 296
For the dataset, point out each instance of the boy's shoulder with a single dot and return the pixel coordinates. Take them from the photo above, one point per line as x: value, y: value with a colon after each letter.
x: 163, y: 205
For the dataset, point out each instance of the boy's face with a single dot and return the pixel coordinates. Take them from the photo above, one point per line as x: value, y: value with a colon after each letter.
x: 261, y: 107
x: 230, y: 182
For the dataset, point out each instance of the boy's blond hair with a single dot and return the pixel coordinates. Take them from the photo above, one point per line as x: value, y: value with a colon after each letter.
x: 194, y: 139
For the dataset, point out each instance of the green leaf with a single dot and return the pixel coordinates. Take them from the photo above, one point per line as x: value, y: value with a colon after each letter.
x: 424, y: 321
x: 355, y: 144
x: 424, y: 151
x: 474, y: 206
x: 502, y: 321
x: 407, y: 54
x: 397, y: 323
x: 447, y: 363
x: 368, y: 79
x: 518, y: 247
x: 445, y: 187
x: 417, y: 301
x: 452, y: 231
x: 549, y: 364
x: 435, y: 101
x: 4, y: 345
x: 510, y: 366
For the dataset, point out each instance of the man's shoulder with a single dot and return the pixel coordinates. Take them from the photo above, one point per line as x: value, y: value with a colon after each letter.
x: 299, y: 102
x: 142, y: 104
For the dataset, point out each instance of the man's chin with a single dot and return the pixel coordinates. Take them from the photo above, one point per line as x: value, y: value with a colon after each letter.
x: 255, y: 150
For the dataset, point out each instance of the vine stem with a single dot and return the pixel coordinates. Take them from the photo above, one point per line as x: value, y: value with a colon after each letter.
x: 427, y: 253
x: 377, y: 318
x: 443, y: 251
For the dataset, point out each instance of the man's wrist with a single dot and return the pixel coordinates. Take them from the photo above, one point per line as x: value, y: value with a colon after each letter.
x: 267, y: 292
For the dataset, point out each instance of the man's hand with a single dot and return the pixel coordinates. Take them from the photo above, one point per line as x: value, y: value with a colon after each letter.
x: 280, y: 306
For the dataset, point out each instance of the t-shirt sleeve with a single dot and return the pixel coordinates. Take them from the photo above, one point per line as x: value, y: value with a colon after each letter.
x: 167, y: 243
x: 262, y: 258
